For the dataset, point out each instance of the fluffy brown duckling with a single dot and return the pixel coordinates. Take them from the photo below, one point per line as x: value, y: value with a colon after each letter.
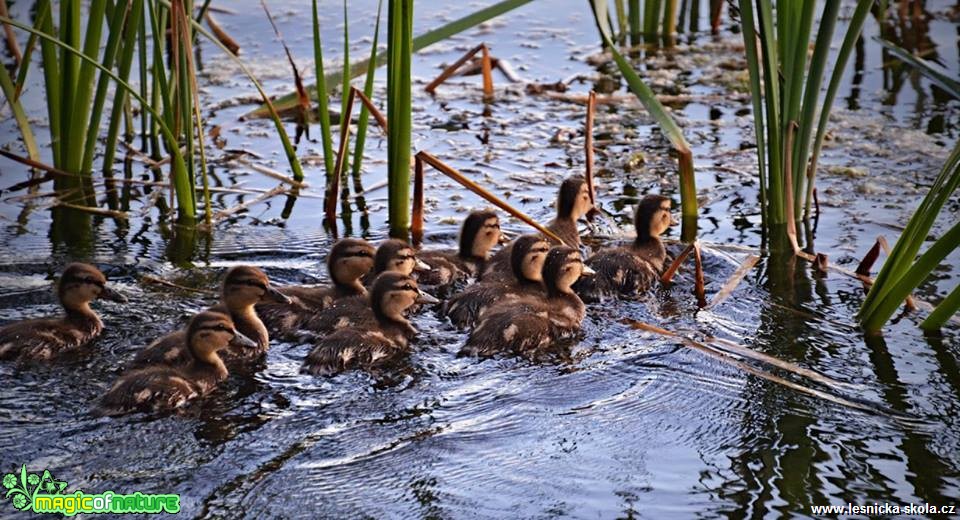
x: 164, y: 388
x: 528, y: 326
x: 375, y: 344
x: 349, y: 260
x: 397, y: 256
x: 526, y: 263
x: 393, y: 255
x: 243, y: 287
x: 573, y: 202
x: 47, y: 338
x: 631, y: 269
x: 480, y: 233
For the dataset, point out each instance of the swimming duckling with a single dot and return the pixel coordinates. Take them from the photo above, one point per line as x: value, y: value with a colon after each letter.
x: 243, y: 287
x: 573, y: 202
x: 163, y: 388
x: 371, y: 345
x: 526, y: 262
x: 349, y: 260
x: 480, y: 233
x: 392, y: 256
x: 631, y: 269
x: 397, y: 256
x: 45, y: 339
x: 528, y: 326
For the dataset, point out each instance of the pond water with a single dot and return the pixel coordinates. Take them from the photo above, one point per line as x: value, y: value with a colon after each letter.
x: 629, y: 424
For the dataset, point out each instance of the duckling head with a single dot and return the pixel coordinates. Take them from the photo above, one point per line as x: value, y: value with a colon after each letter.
x: 481, y: 231
x: 573, y: 201
x: 210, y: 332
x: 527, y: 258
x: 562, y: 268
x: 653, y: 217
x: 349, y: 260
x: 80, y: 284
x: 393, y: 293
x: 245, y: 285
x: 397, y: 256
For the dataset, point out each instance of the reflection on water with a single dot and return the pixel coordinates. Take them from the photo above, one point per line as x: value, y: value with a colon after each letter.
x: 628, y: 422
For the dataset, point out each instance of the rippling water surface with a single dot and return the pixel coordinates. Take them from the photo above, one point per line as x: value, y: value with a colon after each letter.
x: 625, y: 423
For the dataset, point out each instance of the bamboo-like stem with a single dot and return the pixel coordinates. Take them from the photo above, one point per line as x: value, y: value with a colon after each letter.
x: 416, y: 216
x: 479, y: 190
x: 588, y: 146
x: 330, y: 208
x: 222, y: 35
x: 487, y: 74
x: 12, y: 44
x: 667, y: 277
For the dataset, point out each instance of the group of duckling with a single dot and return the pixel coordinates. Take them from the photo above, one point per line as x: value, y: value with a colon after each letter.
x: 521, y: 300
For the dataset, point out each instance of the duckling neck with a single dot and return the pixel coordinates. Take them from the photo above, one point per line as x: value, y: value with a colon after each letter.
x: 81, y: 314
x: 651, y: 248
x: 396, y: 322
x: 249, y: 323
x: 212, y: 361
x: 350, y: 288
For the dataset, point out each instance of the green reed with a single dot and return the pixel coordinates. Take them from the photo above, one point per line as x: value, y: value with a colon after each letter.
x: 399, y: 113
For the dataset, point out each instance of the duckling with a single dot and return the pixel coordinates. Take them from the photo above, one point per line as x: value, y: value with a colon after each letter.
x: 480, y: 233
x: 163, y: 388
x: 392, y: 256
x: 526, y: 262
x: 631, y: 269
x: 528, y: 326
x: 375, y: 344
x: 243, y: 287
x: 45, y: 339
x: 397, y: 256
x: 573, y: 202
x: 349, y: 260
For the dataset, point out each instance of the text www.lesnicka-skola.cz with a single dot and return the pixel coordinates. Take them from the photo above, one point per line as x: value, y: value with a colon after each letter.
x: 885, y: 508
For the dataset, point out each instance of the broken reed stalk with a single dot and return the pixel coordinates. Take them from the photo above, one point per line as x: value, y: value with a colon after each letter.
x: 863, y: 269
x: 731, y: 284
x: 487, y: 74
x: 479, y: 190
x: 240, y: 207
x: 667, y: 277
x: 588, y: 145
x: 222, y: 35
x: 788, y: 188
x: 727, y: 358
x: 452, y: 69
x: 698, y: 284
x: 12, y: 44
x: 330, y: 206
x: 274, y: 174
x: 416, y: 216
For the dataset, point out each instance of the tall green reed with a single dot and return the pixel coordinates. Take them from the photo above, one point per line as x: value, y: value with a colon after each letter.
x: 399, y: 114
x: 785, y: 88
x: 903, y: 271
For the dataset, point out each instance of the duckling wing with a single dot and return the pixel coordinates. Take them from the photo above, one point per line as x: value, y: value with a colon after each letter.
x: 349, y: 349
x: 465, y: 307
x: 618, y: 272
x: 169, y: 350
x: 40, y: 340
x: 158, y: 389
x: 521, y: 330
x: 444, y: 270
x: 345, y: 313
x: 499, y: 263
x: 286, y: 318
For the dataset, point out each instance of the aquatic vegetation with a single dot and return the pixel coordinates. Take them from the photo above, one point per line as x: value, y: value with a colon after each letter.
x: 902, y: 272
x: 786, y: 89
x: 399, y: 114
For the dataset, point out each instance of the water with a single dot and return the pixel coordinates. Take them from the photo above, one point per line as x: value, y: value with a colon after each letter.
x: 627, y: 423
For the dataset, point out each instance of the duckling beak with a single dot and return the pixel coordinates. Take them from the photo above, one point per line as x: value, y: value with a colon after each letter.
x: 423, y: 297
x: 504, y: 239
x: 239, y: 340
x: 673, y: 220
x: 422, y: 266
x: 109, y: 294
x: 587, y: 271
x: 277, y: 296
